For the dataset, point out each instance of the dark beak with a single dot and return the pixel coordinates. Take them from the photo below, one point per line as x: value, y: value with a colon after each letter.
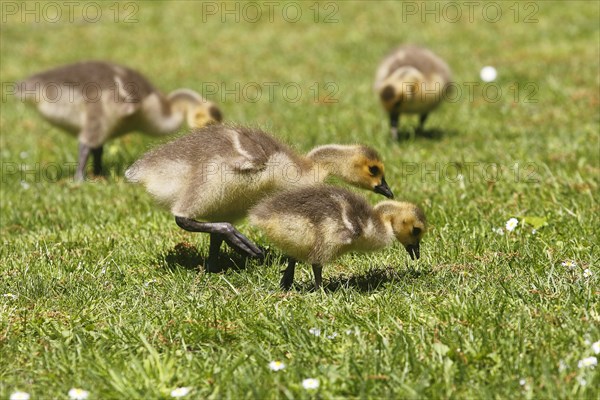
x: 384, y: 189
x: 414, y: 251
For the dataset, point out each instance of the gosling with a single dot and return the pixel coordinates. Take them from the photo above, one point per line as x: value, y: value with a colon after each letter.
x: 319, y: 223
x: 411, y: 80
x: 219, y: 172
x: 97, y: 100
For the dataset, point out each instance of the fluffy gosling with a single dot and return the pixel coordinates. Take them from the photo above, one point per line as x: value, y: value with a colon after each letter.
x: 411, y: 80
x: 97, y: 100
x: 319, y: 223
x: 219, y: 172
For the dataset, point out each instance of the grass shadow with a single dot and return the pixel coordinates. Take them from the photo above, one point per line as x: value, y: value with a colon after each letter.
x: 183, y: 255
x: 369, y: 281
x: 427, y: 134
x: 186, y: 255
x: 433, y: 133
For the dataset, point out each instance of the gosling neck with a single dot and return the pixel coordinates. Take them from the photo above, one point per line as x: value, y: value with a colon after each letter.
x: 183, y: 102
x: 333, y: 159
x: 163, y: 116
x: 377, y: 231
x: 383, y: 212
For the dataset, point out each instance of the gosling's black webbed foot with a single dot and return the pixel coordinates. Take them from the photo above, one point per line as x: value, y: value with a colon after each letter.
x: 240, y: 243
x: 225, y: 230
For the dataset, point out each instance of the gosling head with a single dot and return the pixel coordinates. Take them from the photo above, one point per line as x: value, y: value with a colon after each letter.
x: 401, y: 86
x: 407, y: 222
x: 358, y: 165
x: 369, y: 171
x: 198, y: 111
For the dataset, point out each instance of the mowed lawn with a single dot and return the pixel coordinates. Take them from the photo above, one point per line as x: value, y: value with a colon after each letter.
x: 99, y: 289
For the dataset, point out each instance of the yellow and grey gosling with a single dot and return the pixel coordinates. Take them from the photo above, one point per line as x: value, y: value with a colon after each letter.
x: 217, y: 173
x: 97, y: 100
x: 319, y: 223
x: 411, y: 80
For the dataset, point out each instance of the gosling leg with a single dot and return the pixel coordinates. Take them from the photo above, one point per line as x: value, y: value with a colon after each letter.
x: 317, y: 272
x: 226, y: 231
x: 93, y: 128
x: 213, y: 252
x: 394, y: 124
x: 422, y: 120
x: 97, y: 159
x: 84, y: 153
x: 287, y: 280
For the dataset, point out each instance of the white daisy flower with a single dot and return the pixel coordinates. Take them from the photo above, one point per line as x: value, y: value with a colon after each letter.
x: 587, y: 273
x: 569, y: 264
x: 78, y: 394
x: 562, y: 366
x: 498, y: 231
x: 315, y: 331
x: 488, y: 73
x: 19, y: 396
x: 461, y: 181
x: 533, y: 231
x: 332, y: 336
x: 180, y: 391
x: 25, y: 185
x: 522, y: 382
x: 10, y: 296
x: 511, y: 224
x: 310, y: 383
x: 276, y: 365
x: 589, y: 362
x: 150, y: 282
x: 596, y: 347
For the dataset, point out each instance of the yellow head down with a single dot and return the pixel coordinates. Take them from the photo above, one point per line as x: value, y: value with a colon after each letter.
x: 203, y: 114
x: 369, y: 171
x: 198, y: 111
x: 407, y: 222
x: 403, y: 85
x: 359, y: 165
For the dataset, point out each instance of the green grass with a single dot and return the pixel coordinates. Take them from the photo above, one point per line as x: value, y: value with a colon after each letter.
x: 110, y: 297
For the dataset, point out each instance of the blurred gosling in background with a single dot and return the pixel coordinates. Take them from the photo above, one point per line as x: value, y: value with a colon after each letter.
x: 96, y: 101
x: 411, y: 80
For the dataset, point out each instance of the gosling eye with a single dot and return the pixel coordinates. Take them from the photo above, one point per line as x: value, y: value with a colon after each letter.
x: 374, y: 170
x: 416, y: 231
